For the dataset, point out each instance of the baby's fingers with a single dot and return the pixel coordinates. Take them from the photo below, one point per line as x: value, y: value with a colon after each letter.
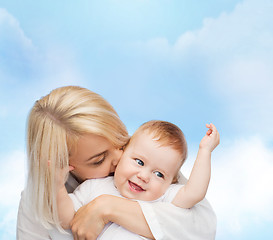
x: 210, y: 127
x: 215, y: 134
x: 209, y: 132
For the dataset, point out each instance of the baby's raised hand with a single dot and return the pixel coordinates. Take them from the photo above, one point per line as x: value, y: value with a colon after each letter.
x: 211, y: 139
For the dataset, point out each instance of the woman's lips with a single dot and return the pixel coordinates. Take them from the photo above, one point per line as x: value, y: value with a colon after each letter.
x: 134, y: 187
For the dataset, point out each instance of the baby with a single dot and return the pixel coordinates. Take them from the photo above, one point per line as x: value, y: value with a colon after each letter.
x: 147, y: 170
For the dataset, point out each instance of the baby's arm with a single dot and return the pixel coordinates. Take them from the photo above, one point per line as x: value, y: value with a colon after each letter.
x: 64, y: 203
x: 196, y: 187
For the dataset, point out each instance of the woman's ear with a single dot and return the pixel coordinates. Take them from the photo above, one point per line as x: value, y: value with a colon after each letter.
x: 71, y: 168
x: 119, y: 153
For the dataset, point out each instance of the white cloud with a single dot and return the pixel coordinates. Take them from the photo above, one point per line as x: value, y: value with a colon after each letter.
x: 240, y: 190
x: 233, y: 54
x: 18, y: 53
x: 29, y: 71
x: 246, y: 30
x: 12, y: 172
x: 60, y: 68
x: 11, y: 32
x: 8, y: 224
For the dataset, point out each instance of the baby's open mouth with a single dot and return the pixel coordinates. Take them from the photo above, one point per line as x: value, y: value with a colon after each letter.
x: 134, y: 187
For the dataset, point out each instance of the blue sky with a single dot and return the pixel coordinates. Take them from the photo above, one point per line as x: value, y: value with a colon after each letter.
x: 188, y: 62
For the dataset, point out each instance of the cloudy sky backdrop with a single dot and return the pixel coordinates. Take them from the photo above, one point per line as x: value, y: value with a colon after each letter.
x: 188, y: 62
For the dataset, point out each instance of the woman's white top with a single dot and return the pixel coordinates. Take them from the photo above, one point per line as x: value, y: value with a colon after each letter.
x: 164, y: 219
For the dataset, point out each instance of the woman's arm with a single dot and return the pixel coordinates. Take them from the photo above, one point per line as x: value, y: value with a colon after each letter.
x: 128, y: 214
x: 91, y: 218
x: 170, y: 222
x: 160, y: 220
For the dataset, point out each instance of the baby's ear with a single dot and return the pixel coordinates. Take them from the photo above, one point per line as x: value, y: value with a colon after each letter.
x: 175, y: 179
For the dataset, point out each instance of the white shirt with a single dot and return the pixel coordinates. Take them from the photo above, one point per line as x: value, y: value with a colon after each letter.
x: 93, y: 188
x: 166, y: 221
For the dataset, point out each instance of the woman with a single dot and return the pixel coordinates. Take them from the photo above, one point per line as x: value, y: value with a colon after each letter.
x: 74, y: 126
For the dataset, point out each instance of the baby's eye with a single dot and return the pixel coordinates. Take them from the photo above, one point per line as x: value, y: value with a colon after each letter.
x: 139, y: 162
x: 159, y: 174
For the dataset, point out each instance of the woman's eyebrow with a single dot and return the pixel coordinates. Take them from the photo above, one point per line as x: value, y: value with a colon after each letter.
x: 97, y: 155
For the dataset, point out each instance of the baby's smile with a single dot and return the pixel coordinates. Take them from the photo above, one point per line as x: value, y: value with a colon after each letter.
x: 134, y: 187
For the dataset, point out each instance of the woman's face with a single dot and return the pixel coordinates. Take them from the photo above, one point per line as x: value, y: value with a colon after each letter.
x: 94, y: 157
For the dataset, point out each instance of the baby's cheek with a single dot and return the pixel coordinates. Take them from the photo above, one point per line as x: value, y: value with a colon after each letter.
x: 160, y: 190
x: 164, y: 189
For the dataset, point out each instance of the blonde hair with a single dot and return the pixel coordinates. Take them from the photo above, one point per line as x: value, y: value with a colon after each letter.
x: 55, y: 124
x: 166, y: 134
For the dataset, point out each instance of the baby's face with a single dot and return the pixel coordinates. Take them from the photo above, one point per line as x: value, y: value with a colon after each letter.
x: 146, y: 169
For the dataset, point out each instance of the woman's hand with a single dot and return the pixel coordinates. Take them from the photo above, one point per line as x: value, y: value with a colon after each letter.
x: 90, y: 219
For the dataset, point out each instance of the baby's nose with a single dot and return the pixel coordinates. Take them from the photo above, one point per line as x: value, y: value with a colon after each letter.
x: 144, y: 176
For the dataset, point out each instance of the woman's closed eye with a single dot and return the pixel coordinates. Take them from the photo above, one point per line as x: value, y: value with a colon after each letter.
x: 99, y: 161
x: 139, y: 162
